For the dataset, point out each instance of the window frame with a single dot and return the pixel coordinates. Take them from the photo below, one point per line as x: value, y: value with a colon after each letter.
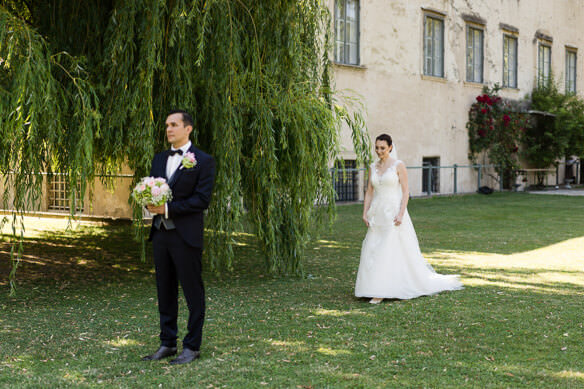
x: 433, y: 57
x: 506, y: 71
x: 345, y: 41
x: 571, y: 52
x: 471, y: 68
x: 543, y: 80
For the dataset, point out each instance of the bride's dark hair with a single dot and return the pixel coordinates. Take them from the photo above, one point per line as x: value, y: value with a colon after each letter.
x: 384, y: 137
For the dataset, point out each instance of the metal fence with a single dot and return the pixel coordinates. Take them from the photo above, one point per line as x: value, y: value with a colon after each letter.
x: 350, y: 184
x: 428, y: 180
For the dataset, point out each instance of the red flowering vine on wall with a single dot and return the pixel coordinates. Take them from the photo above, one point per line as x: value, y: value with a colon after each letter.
x: 494, y: 128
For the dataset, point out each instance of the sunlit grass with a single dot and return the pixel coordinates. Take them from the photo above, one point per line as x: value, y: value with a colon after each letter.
x: 332, y: 312
x: 86, y: 311
x: 570, y: 374
x: 37, y: 226
x: 568, y: 254
x: 549, y: 268
x: 122, y: 342
x: 329, y: 351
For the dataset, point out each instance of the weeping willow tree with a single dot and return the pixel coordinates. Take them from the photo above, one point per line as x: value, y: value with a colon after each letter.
x: 85, y: 86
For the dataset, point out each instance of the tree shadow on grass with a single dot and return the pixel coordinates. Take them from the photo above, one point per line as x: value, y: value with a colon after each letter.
x: 86, y: 254
x: 109, y: 252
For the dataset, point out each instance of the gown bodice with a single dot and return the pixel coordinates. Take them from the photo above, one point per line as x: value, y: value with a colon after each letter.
x: 387, y: 195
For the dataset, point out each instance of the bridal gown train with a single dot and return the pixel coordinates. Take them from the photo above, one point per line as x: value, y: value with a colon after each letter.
x: 392, y: 265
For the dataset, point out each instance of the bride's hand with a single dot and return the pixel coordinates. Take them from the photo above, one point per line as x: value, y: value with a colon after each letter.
x: 365, y: 220
x: 398, y: 220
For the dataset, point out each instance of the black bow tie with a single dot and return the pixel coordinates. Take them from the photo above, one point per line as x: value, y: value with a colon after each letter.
x: 173, y: 152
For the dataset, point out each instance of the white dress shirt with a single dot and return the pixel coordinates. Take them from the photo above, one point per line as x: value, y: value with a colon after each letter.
x: 172, y: 163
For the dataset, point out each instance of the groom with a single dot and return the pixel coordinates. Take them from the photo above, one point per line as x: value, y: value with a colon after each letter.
x: 177, y: 237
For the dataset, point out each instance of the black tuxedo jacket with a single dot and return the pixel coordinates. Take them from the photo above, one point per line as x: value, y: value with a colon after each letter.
x: 191, y: 193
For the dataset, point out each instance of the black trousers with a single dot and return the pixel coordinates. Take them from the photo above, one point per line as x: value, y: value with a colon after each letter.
x: 176, y: 261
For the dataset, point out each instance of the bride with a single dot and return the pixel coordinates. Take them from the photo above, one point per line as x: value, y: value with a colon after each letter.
x: 391, y: 263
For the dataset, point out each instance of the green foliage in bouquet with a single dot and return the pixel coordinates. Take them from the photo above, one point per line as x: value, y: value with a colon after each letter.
x: 153, y: 191
x: 85, y: 87
x: 495, y: 126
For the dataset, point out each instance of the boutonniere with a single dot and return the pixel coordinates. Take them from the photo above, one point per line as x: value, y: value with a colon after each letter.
x: 188, y: 160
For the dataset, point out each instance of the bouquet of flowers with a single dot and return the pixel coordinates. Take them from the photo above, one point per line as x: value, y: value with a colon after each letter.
x: 152, y: 190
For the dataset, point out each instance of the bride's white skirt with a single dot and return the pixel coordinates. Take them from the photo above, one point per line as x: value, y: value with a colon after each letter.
x: 392, y: 265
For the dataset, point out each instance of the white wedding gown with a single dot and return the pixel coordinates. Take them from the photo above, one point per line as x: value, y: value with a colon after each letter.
x: 391, y: 263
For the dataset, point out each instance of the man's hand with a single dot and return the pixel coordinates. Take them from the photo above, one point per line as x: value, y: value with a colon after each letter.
x: 157, y: 210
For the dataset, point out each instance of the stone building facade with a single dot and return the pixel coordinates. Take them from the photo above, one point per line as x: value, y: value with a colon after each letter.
x: 419, y: 65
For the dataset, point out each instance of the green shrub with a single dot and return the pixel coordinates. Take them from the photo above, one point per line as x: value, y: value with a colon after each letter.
x: 561, y: 134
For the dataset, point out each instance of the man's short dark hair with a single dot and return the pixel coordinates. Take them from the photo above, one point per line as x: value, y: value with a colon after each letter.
x: 186, y: 117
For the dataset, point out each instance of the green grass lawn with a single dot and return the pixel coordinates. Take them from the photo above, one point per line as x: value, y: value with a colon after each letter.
x: 85, y: 309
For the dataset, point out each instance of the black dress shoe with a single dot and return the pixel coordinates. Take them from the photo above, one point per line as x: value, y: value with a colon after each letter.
x: 161, y: 353
x: 186, y: 356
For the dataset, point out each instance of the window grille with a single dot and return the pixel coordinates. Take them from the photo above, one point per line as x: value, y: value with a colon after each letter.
x: 59, y: 193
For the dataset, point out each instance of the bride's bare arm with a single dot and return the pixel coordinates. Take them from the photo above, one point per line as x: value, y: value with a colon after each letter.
x: 403, y: 180
x: 367, y: 201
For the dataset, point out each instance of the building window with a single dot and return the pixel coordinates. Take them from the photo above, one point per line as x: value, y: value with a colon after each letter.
x: 571, y: 56
x: 430, y: 175
x: 509, y: 61
x: 347, y: 32
x: 544, y: 64
x: 474, y: 54
x: 59, y: 193
x: 346, y: 181
x: 433, y: 46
